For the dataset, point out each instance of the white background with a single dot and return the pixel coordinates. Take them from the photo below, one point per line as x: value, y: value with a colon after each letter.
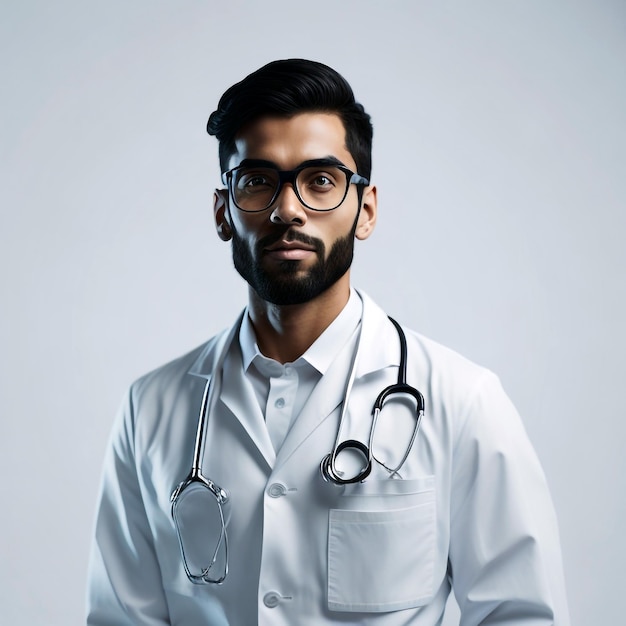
x: 500, y: 161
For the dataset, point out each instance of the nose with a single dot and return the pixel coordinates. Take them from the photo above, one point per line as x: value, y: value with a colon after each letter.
x: 287, y: 208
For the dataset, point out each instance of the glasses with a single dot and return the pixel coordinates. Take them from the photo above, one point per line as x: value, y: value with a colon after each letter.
x: 320, y: 184
x: 198, y: 511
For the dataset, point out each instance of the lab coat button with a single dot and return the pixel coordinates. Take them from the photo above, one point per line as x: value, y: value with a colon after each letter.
x: 276, y: 490
x: 280, y: 403
x: 271, y: 599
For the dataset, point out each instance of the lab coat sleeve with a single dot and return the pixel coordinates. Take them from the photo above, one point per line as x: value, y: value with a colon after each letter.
x: 505, y: 560
x: 124, y: 582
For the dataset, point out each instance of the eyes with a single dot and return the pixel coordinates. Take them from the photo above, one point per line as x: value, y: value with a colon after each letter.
x: 254, y: 181
x: 322, y: 180
x: 307, y: 180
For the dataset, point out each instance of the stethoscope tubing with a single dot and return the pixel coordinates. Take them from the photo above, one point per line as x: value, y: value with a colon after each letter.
x: 328, y: 466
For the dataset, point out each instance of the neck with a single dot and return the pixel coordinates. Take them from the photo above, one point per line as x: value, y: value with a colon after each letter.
x: 284, y: 333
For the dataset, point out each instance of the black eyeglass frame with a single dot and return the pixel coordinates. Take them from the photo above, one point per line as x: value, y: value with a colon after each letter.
x: 290, y: 176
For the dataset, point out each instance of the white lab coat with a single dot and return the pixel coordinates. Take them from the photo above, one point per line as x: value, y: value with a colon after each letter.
x: 472, y: 511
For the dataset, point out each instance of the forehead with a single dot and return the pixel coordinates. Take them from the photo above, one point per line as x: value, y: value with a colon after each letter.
x: 287, y: 142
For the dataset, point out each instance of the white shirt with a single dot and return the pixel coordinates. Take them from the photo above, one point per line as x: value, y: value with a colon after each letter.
x: 282, y: 390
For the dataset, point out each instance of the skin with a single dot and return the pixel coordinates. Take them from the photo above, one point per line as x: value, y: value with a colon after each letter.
x: 285, y: 332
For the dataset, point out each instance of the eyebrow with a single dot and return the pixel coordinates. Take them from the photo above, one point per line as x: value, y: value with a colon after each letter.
x: 328, y: 160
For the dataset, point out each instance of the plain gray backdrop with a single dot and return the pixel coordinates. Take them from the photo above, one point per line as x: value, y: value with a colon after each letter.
x: 500, y: 160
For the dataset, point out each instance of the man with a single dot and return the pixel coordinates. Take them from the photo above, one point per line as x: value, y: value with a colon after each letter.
x: 298, y: 509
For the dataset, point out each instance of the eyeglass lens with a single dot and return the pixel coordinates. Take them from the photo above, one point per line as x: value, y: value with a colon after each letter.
x: 321, y: 188
x: 200, y: 522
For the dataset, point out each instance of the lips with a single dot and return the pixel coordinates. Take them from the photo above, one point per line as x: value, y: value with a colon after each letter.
x: 290, y: 250
x: 290, y: 245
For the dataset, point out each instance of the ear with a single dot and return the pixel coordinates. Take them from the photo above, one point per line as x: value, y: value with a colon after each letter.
x: 220, y: 212
x: 367, y: 216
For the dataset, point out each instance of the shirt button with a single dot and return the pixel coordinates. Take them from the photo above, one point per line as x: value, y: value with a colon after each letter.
x: 271, y: 599
x: 280, y: 403
x: 276, y: 490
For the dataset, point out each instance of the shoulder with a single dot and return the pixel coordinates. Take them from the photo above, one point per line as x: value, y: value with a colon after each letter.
x: 165, y: 396
x: 468, y: 397
x: 451, y: 378
x: 454, y: 386
x: 443, y: 363
x: 428, y: 361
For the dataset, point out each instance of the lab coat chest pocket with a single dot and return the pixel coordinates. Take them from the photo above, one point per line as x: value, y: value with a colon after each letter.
x: 381, y: 556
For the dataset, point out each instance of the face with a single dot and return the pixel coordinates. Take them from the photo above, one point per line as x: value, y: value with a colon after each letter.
x: 290, y: 254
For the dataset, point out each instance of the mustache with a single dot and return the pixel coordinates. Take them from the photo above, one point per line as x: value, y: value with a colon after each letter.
x: 289, y: 235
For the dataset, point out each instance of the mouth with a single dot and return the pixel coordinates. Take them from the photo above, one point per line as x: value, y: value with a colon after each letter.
x: 284, y: 250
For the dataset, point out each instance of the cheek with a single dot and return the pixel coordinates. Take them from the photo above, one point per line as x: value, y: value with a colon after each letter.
x: 248, y: 227
x: 340, y: 225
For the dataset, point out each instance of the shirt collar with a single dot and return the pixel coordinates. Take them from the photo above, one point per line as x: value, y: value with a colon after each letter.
x: 323, y: 351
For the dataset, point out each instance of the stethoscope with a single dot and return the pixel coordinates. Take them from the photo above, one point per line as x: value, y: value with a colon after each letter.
x: 355, y: 448
x: 328, y: 466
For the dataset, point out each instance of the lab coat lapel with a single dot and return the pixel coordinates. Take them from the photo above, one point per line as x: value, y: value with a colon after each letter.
x: 239, y: 397
x: 325, y: 398
x: 237, y: 393
x: 379, y: 349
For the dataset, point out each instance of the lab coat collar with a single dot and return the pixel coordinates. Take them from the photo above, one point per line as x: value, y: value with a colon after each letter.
x: 325, y: 348
x: 376, y: 331
x: 379, y: 349
x: 380, y: 346
x: 213, y: 354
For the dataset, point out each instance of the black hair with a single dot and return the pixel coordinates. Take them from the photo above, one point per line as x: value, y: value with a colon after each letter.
x: 283, y: 89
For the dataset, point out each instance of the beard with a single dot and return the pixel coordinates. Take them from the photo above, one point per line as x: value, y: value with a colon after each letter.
x: 286, y: 284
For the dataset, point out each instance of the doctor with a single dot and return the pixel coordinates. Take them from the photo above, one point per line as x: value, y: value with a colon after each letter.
x: 255, y: 533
